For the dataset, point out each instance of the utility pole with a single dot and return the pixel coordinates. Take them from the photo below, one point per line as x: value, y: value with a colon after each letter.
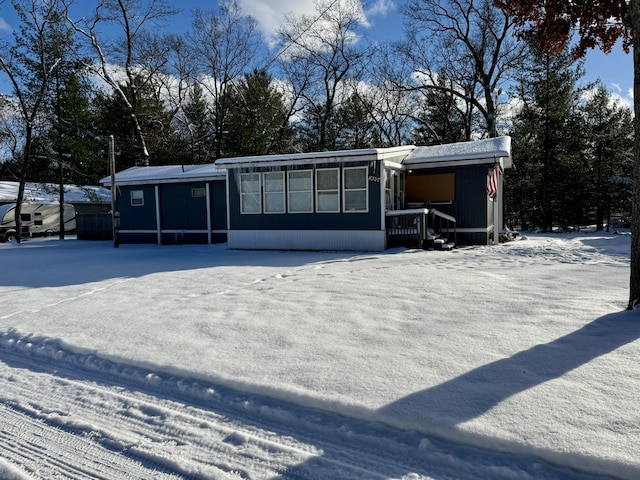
x: 112, y: 168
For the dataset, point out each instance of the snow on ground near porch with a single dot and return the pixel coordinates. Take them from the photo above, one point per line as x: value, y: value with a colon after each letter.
x: 522, y: 347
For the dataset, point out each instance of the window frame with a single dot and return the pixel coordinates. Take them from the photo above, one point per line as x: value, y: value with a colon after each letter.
x: 257, y: 194
x: 136, y: 198
x: 364, y: 189
x: 266, y: 193
x: 309, y: 191
x: 198, y: 192
x: 327, y: 190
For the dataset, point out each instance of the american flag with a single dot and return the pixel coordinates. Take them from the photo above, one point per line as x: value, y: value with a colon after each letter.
x: 492, y: 189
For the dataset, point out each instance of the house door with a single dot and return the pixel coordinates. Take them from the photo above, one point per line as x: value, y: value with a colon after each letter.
x: 394, y: 189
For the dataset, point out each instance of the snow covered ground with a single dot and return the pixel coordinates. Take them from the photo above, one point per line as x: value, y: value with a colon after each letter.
x: 48, y: 192
x: 505, y: 362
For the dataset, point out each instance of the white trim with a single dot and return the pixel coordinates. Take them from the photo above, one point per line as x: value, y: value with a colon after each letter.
x: 345, y: 190
x: 157, y: 194
x: 131, y: 192
x: 315, y: 158
x: 226, y: 196
x: 208, y: 199
x: 318, y: 191
x: 289, y: 191
x: 265, y: 193
x: 258, y: 193
x: 346, y: 240
x: 172, y: 231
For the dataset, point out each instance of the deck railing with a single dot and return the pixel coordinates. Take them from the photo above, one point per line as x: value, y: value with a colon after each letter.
x: 421, y: 227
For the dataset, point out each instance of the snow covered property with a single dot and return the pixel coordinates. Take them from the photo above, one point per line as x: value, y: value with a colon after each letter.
x: 341, y: 200
x: 515, y: 361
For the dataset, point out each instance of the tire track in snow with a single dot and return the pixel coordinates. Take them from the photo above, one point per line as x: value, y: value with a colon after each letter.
x: 90, y: 414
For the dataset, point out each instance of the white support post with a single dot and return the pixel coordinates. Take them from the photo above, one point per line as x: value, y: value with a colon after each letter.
x: 158, y: 232
x: 208, y: 197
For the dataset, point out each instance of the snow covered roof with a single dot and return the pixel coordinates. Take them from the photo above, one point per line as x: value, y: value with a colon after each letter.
x: 165, y: 174
x: 48, y: 192
x: 462, y: 153
x: 313, y: 158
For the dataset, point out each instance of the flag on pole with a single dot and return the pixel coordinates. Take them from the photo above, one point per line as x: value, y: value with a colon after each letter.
x: 492, y: 188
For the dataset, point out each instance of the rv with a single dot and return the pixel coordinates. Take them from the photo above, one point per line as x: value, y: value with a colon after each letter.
x: 37, y: 219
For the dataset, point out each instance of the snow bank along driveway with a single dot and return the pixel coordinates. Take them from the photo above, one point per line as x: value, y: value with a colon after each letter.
x: 198, y: 362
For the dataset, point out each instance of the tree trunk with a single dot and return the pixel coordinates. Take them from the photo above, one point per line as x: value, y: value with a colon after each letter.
x: 634, y: 284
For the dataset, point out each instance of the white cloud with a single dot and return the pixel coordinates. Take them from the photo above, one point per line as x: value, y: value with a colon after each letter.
x: 4, y: 26
x: 380, y: 7
x: 270, y: 14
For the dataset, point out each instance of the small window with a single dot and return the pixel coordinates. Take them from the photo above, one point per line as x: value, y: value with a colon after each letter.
x: 355, y: 189
x: 250, y: 201
x: 25, y: 217
x: 300, y: 191
x: 137, y: 198
x: 198, y: 192
x: 328, y: 190
x: 274, y: 192
x: 38, y: 218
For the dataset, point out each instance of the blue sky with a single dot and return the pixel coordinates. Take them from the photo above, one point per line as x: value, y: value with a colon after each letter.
x: 615, y: 70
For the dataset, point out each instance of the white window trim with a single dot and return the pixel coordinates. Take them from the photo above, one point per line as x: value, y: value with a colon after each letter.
x: 365, y: 189
x: 289, y: 191
x: 141, y: 198
x: 336, y: 190
x: 242, y: 194
x: 265, y: 193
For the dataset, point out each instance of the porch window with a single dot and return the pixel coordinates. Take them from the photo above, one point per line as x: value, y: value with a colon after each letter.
x: 300, y: 191
x: 250, y: 201
x: 198, y: 192
x: 137, y: 198
x: 328, y: 190
x: 274, y: 192
x: 355, y: 189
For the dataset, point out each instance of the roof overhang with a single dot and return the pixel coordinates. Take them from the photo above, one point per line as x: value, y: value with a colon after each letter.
x: 480, y: 152
x: 166, y: 174
x: 393, y: 154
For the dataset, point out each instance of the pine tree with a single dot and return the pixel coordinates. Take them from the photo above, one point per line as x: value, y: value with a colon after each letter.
x: 547, y: 135
x: 256, y: 123
x: 609, y: 134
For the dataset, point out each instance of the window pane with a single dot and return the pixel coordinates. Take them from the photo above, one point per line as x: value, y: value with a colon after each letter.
x: 355, y: 201
x: 274, y: 203
x: 300, y: 202
x: 250, y: 183
x: 327, y: 179
x: 355, y: 178
x: 137, y: 197
x: 300, y: 181
x: 328, y: 202
x: 250, y: 203
x: 274, y: 182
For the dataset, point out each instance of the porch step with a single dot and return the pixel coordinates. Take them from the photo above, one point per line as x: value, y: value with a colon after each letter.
x: 439, y: 243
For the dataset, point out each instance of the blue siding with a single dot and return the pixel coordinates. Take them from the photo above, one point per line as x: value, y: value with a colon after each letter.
x: 136, y: 217
x: 469, y: 206
x: 219, y: 205
x: 179, y: 209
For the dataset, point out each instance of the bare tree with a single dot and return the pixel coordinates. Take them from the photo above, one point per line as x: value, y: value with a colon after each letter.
x: 471, y: 43
x: 138, y: 52
x: 29, y: 62
x: 321, y: 52
x: 226, y: 42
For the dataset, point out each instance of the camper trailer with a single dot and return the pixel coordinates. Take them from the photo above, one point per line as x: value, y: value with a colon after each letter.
x: 38, y: 219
